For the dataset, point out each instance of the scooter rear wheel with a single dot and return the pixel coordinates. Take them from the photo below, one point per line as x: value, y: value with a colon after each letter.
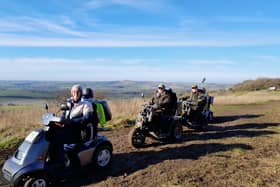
x: 136, y: 138
x: 177, y: 133
x: 102, y: 157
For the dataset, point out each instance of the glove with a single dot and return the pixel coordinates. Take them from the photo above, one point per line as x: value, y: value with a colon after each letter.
x: 66, y: 121
x: 155, y: 106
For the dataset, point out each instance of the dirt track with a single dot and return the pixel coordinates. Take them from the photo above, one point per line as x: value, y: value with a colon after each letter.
x: 240, y: 149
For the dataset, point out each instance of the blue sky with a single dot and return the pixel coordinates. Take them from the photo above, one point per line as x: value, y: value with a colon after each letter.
x: 226, y: 41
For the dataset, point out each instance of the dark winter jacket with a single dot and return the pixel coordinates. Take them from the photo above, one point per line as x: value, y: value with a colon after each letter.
x: 164, y: 102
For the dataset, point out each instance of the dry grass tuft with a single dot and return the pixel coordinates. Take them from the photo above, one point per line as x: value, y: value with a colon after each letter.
x: 126, y: 107
x: 20, y: 118
x: 237, y: 98
x: 18, y: 121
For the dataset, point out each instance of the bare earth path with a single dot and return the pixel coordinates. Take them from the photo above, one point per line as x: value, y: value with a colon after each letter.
x: 240, y: 148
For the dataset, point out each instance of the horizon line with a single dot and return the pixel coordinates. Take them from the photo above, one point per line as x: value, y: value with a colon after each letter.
x: 157, y: 81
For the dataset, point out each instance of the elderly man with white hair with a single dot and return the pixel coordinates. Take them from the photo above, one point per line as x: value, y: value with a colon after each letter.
x: 81, y: 110
x: 77, y: 118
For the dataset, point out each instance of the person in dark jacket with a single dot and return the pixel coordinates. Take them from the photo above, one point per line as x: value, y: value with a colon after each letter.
x: 162, y: 100
x: 163, y: 105
x: 198, y: 99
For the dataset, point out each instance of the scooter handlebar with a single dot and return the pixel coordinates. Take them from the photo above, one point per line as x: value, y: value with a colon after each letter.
x: 190, y: 102
x: 50, y: 117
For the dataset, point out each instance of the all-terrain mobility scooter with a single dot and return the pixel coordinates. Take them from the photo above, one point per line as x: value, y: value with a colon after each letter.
x: 203, y: 116
x: 145, y: 127
x: 30, y: 165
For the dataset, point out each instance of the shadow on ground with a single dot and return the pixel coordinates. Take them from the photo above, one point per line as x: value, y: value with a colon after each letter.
x: 223, y: 119
x: 221, y: 132
x: 242, y: 126
x: 128, y: 163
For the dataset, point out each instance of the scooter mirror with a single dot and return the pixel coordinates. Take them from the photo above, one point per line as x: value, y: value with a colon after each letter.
x: 64, y: 107
x: 203, y: 80
x: 46, y: 107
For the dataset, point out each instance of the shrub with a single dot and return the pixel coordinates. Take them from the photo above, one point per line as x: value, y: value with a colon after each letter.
x: 258, y: 84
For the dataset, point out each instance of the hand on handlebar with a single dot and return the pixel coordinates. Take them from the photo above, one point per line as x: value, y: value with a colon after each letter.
x: 155, y: 106
x: 190, y: 102
x: 66, y: 121
x: 59, y: 124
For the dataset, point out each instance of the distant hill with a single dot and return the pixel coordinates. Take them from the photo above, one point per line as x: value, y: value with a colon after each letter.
x: 258, y: 84
x: 110, y: 89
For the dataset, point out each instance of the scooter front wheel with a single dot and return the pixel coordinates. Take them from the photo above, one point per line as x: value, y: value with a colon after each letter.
x: 36, y: 181
x: 136, y: 138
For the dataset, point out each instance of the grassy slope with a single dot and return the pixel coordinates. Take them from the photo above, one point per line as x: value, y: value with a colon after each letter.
x: 256, y: 163
x: 17, y: 120
x: 240, y: 149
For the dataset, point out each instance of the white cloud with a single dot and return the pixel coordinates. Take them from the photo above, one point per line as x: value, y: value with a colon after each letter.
x: 14, y: 26
x: 56, y: 28
x: 94, y: 4
x: 211, y: 62
x: 116, y: 40
x: 31, y: 32
x: 100, y: 69
x: 267, y: 59
x: 244, y: 19
x: 37, y: 25
x: 72, y: 69
x: 67, y: 21
x: 142, y: 5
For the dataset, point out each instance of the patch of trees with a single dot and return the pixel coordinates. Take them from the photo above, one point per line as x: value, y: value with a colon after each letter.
x: 258, y: 84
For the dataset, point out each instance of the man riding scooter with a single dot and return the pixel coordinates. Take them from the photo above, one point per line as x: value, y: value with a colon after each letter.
x: 157, y: 119
x: 198, y: 100
x: 163, y: 104
x: 76, y: 119
x: 60, y: 148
